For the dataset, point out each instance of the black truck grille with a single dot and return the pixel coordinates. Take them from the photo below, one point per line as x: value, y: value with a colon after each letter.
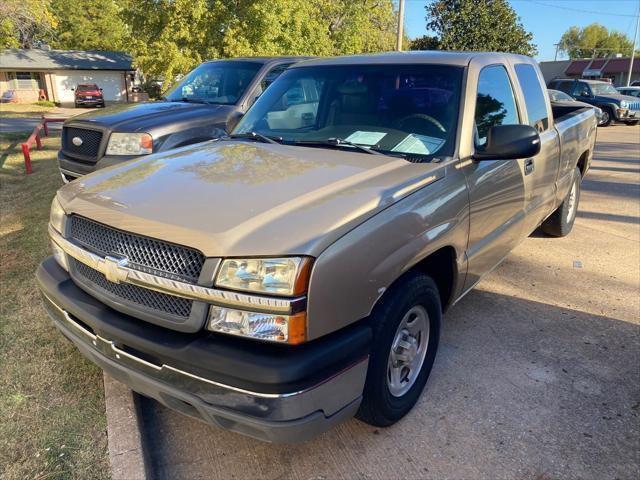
x: 145, y: 254
x: 90, y: 142
x: 149, y: 299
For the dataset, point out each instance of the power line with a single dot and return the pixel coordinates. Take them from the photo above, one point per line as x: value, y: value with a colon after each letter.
x: 580, y: 10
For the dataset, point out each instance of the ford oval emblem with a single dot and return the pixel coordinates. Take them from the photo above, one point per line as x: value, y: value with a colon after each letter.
x: 77, y: 141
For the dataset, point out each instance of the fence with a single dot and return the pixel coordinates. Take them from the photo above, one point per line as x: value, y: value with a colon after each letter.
x: 35, y: 138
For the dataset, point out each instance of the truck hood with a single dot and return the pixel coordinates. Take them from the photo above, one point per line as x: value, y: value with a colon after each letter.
x: 143, y: 117
x: 615, y: 98
x: 235, y: 198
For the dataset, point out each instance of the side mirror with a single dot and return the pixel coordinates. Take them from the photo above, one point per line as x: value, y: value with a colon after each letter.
x: 100, y: 89
x: 509, y: 142
x: 233, y: 120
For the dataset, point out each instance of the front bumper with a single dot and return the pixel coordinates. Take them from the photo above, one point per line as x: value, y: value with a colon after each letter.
x: 72, y: 168
x: 277, y: 395
x: 87, y: 101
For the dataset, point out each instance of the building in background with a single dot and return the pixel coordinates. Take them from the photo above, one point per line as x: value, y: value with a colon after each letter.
x: 614, y: 69
x: 40, y: 74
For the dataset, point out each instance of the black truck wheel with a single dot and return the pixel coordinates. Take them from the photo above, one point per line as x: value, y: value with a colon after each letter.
x: 406, y: 326
x: 607, y: 117
x: 560, y: 222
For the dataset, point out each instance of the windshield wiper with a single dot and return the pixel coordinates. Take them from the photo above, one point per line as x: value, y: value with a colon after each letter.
x: 338, y: 142
x: 257, y: 136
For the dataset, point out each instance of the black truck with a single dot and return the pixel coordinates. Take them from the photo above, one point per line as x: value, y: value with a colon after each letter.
x: 204, y: 105
x: 614, y: 105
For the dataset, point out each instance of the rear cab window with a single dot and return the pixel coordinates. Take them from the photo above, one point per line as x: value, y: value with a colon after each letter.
x: 495, y: 102
x: 534, y: 98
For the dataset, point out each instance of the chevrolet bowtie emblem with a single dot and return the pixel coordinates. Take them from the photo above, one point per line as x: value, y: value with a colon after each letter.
x: 113, y: 269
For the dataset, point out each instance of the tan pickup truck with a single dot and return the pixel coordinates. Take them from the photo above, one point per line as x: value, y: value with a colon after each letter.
x: 294, y: 274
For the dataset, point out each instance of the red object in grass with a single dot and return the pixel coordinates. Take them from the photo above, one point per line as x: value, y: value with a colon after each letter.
x: 35, y: 138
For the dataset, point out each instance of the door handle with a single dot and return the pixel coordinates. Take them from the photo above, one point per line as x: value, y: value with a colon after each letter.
x: 529, y: 166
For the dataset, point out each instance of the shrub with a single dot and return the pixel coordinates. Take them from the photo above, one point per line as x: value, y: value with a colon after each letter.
x: 45, y: 103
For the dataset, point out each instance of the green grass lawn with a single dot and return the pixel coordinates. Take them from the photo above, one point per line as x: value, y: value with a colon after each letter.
x: 52, y: 417
x: 23, y: 110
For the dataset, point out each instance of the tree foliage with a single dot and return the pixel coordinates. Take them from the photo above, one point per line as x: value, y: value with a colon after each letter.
x: 170, y: 37
x: 89, y: 25
x: 594, y: 40
x: 25, y: 23
x: 488, y: 25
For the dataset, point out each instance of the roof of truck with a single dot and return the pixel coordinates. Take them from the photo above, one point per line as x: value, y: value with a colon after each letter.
x: 263, y: 60
x: 414, y: 56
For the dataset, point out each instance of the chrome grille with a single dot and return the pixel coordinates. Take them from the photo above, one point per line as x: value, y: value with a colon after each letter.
x: 159, y: 302
x: 90, y: 146
x: 634, y: 105
x: 152, y: 256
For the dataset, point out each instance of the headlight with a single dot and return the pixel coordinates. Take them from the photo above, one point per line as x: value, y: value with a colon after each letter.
x: 56, y: 216
x: 286, y: 276
x: 130, y: 144
x: 272, y: 327
x: 624, y: 104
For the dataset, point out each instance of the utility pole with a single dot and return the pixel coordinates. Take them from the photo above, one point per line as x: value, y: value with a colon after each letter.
x: 555, y: 57
x: 633, y: 50
x: 400, y: 25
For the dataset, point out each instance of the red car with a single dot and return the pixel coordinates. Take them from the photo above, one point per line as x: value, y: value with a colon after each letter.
x: 88, y: 94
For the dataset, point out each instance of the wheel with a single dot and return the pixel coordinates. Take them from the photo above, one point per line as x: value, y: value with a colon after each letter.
x: 632, y: 123
x: 560, y: 222
x: 607, y: 117
x: 406, y: 325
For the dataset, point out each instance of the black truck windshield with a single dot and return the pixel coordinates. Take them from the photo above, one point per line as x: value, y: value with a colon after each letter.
x: 215, y: 82
x: 404, y: 110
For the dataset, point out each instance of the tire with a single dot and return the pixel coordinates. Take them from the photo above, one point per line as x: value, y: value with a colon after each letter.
x: 633, y: 123
x: 414, y: 298
x: 560, y: 222
x: 607, y: 117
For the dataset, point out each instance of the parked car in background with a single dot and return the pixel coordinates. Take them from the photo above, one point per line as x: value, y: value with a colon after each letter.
x: 630, y: 91
x: 285, y: 278
x: 559, y: 98
x: 635, y: 83
x: 88, y: 95
x: 207, y: 102
x: 614, y: 105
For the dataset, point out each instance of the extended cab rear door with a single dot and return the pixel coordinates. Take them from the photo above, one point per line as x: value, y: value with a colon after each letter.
x: 541, y: 171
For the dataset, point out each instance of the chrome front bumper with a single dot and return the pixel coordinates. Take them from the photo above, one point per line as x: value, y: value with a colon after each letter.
x: 274, y: 417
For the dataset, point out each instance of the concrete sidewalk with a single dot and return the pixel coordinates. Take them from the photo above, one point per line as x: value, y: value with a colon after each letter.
x: 538, y: 375
x: 26, y: 124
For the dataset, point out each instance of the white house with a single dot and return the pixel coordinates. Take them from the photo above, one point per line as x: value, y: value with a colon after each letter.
x: 52, y: 74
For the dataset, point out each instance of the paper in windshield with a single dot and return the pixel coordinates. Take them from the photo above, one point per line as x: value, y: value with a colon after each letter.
x: 418, y: 144
x: 365, y: 138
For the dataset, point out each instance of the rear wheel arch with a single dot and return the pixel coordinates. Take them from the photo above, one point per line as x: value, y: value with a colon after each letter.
x: 582, y: 162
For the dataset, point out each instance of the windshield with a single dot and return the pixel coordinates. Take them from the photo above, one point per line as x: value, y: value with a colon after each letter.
x: 215, y: 82
x: 557, y: 95
x: 86, y: 88
x: 405, y: 110
x: 603, y: 89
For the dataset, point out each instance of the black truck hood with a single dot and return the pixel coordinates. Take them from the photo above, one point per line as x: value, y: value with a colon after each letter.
x: 615, y: 98
x: 143, y: 117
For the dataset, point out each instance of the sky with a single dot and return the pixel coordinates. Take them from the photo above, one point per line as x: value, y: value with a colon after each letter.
x: 547, y: 20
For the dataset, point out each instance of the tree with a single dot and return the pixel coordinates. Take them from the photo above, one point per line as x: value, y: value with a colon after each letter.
x: 89, y: 25
x: 25, y: 23
x: 489, y: 25
x: 173, y: 36
x: 594, y: 40
x: 425, y: 42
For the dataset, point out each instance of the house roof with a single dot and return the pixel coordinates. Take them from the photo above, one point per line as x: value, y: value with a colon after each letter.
x: 612, y: 66
x: 39, y: 59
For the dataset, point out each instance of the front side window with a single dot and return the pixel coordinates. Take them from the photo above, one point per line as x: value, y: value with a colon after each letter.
x: 564, y: 86
x: 403, y: 110
x: 533, y: 96
x: 582, y: 90
x: 495, y: 102
x: 215, y: 82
